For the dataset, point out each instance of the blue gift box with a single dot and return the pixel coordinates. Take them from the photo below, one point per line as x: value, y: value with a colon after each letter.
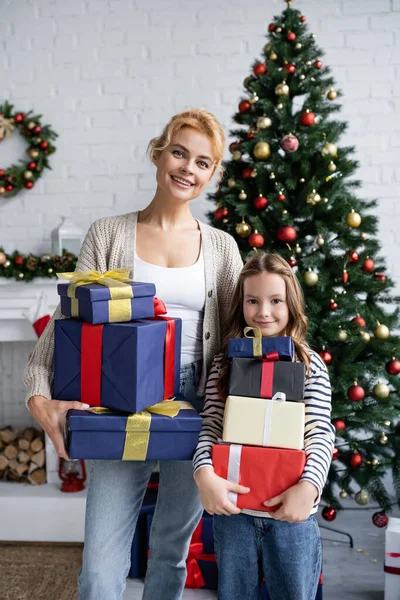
x: 244, y: 347
x: 139, y: 543
x: 129, y: 371
x: 266, y: 596
x: 93, y: 303
x: 102, y: 435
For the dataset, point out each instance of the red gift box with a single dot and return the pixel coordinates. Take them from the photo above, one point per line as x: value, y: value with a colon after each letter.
x: 266, y: 471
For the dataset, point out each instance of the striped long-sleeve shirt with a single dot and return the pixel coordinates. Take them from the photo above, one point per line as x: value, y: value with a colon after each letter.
x: 319, y: 433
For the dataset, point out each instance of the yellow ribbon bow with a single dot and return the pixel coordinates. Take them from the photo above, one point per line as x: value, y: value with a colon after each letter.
x: 257, y: 339
x: 6, y: 127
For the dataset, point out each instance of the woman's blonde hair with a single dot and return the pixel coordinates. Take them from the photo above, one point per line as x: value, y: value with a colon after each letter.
x: 198, y: 119
x: 267, y: 262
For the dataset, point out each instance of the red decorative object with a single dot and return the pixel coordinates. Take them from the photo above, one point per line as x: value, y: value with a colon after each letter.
x: 244, y: 106
x: 19, y: 259
x: 289, y: 143
x: 353, y: 256
x: 28, y: 185
x: 328, y: 513
x: 345, y: 276
x: 37, y: 130
x: 247, y: 173
x: 380, y: 519
x: 380, y: 276
x: 9, y: 188
x: 335, y: 454
x: 302, y: 19
x: 221, y: 213
x: 281, y: 197
x: 318, y: 64
x: 2, y: 172
x: 260, y: 202
x: 256, y: 240
x: 251, y: 135
x: 393, y: 366
x: 291, y: 36
x: 333, y: 305
x: 43, y: 145
x: 359, y: 321
x: 233, y: 146
x: 356, y: 460
x: 194, y: 577
x: 356, y: 393
x: 286, y: 234
x: 339, y: 424
x: 73, y: 475
x: 32, y: 166
x: 259, y: 69
x: 326, y: 356
x: 271, y: 27
x: 18, y: 118
x: 290, y: 68
x: 292, y: 261
x: 307, y: 119
x: 368, y: 265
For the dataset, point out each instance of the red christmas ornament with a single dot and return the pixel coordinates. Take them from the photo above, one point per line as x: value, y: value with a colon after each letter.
x: 221, y: 213
x: 19, y: 259
x: 353, y: 256
x: 28, y: 185
x: 356, y: 393
x: 318, y: 64
x: 326, y: 356
x: 335, y: 454
x: 292, y: 261
x: 251, y: 135
x: 380, y: 519
x: 18, y: 118
x: 380, y: 276
x: 339, y: 424
x: 393, y: 366
x: 9, y: 188
x: 290, y: 68
x: 233, y: 146
x: 356, y: 460
x: 37, y: 130
x: 328, y: 513
x: 271, y: 27
x: 2, y: 172
x: 333, y: 305
x: 32, y: 166
x: 307, y: 119
x: 359, y: 321
x: 260, y: 202
x: 368, y: 265
x: 43, y: 145
x: 259, y: 69
x: 302, y: 19
x: 345, y: 276
x: 244, y: 106
x: 291, y: 36
x: 289, y: 143
x: 281, y: 197
x: 286, y: 234
x: 247, y: 173
x: 256, y: 240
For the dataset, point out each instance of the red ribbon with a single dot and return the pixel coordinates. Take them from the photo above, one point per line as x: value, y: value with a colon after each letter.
x: 392, y: 570
x: 393, y: 554
x: 194, y: 578
x: 267, y: 374
x: 91, y: 358
x: 159, y: 307
x: 169, y: 356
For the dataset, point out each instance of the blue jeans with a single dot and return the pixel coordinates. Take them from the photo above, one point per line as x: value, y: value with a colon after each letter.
x: 115, y: 494
x: 287, y: 554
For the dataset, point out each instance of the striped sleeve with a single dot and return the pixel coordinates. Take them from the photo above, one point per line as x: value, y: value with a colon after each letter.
x: 213, y: 418
x: 319, y: 434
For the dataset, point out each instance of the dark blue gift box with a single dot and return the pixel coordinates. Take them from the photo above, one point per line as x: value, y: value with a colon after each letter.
x: 96, y: 306
x: 131, y: 372
x: 102, y: 436
x: 243, y: 347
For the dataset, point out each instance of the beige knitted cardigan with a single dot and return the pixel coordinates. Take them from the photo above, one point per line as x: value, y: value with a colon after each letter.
x: 110, y: 243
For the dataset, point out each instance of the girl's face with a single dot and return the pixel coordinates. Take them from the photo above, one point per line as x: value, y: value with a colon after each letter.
x: 264, y: 303
x: 186, y: 165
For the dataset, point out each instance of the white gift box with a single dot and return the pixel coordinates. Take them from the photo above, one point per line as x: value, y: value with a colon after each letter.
x: 392, y: 560
x: 261, y: 422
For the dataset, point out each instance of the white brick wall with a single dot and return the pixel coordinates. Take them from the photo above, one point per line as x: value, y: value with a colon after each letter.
x: 108, y: 74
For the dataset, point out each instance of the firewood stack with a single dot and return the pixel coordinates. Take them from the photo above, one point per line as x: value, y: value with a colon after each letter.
x: 22, y: 455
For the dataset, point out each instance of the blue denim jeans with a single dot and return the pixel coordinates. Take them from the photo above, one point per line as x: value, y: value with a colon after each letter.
x: 287, y: 554
x: 115, y: 494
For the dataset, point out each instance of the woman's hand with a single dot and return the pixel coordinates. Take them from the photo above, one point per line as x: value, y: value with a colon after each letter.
x: 296, y: 502
x: 214, y: 490
x: 50, y: 414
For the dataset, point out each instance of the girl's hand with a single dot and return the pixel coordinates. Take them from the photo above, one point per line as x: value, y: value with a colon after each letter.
x: 214, y: 490
x: 50, y: 414
x: 296, y: 502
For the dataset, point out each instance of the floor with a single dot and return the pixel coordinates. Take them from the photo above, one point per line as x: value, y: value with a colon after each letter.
x: 349, y: 574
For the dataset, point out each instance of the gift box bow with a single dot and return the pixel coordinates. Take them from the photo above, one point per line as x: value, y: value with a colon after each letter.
x: 194, y: 578
x: 116, y: 280
x: 257, y: 344
x: 393, y: 569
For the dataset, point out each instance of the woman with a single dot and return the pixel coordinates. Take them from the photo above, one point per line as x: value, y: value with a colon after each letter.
x: 195, y: 268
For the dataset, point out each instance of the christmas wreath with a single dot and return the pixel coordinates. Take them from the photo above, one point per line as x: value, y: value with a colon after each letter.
x: 25, y: 267
x: 39, y: 138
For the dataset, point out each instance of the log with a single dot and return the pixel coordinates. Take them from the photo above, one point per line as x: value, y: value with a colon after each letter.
x: 17, y: 467
x: 39, y: 458
x: 23, y: 444
x: 29, y: 434
x: 10, y: 451
x: 3, y: 462
x: 37, y: 477
x: 37, y: 445
x: 23, y: 457
x: 7, y: 435
x: 32, y: 467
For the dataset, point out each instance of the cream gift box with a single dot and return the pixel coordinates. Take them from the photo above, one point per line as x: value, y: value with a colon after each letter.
x: 392, y: 560
x: 259, y: 422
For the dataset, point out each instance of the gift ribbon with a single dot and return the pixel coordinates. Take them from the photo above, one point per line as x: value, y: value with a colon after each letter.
x: 390, y: 569
x: 280, y: 397
x: 257, y: 339
x: 235, y: 456
x: 194, y: 578
x: 267, y: 374
x: 169, y: 356
x: 91, y: 361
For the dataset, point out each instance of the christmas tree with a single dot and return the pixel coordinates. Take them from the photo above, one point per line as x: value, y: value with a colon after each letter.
x: 290, y: 187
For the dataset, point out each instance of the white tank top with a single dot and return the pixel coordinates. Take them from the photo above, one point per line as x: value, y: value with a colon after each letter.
x: 183, y: 292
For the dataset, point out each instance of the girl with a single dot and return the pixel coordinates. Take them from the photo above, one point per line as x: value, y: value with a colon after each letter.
x: 285, y: 545
x: 195, y: 269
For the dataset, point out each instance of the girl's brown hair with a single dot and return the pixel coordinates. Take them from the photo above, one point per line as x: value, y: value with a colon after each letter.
x: 266, y: 262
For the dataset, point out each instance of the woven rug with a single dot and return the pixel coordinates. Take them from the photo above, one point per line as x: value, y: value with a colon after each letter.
x: 39, y: 571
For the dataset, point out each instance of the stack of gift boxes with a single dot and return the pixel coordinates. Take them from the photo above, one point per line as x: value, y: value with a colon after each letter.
x: 120, y: 354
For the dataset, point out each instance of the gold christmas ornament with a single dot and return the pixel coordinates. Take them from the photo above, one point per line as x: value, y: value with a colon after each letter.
x: 272, y: 175
x: 282, y: 89
x: 375, y: 462
x: 21, y: 275
x: 320, y: 240
x: 237, y: 155
x: 332, y: 167
x: 298, y: 46
x: 387, y: 423
x: 297, y: 249
x: 302, y: 180
x: 343, y: 494
x: 363, y: 236
x: 381, y: 390
x: 273, y: 56
x: 231, y: 182
x: 342, y: 335
x: 310, y: 278
x: 279, y: 106
x: 28, y: 174
x: 267, y: 48
x: 382, y: 332
x: 353, y: 219
x: 365, y: 336
x: 254, y: 98
x: 329, y: 149
x: 33, y: 153
x: 262, y: 150
x: 278, y: 30
x: 313, y: 198
x: 243, y: 229
x: 362, y: 497
x: 264, y: 122
x: 242, y: 195
x: 31, y: 125
x: 332, y: 95
x: 302, y: 77
x: 383, y: 438
x: 7, y: 263
x: 2, y: 191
